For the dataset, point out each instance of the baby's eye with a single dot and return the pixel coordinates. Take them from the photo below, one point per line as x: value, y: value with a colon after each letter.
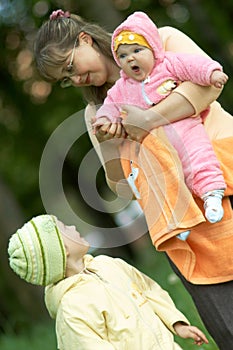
x: 138, y: 50
x: 121, y: 56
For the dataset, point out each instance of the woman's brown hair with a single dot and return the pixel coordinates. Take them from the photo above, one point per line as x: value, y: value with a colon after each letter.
x: 57, y: 36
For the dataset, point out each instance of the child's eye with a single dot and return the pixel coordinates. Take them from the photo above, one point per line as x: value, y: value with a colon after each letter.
x: 137, y: 50
x: 122, y: 56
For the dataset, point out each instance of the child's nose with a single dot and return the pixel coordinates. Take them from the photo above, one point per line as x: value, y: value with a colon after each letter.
x: 130, y: 58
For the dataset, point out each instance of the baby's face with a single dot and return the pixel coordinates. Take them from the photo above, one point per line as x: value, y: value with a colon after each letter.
x: 136, y: 61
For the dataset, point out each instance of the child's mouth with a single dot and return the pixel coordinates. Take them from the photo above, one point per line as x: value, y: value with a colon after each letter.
x: 135, y: 69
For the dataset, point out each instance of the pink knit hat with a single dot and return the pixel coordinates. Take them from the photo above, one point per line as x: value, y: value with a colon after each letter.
x: 141, y: 24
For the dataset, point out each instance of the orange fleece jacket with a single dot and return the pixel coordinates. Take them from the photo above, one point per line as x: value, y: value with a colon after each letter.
x: 206, y: 257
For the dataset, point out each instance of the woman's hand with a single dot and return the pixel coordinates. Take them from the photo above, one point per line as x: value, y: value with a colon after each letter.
x: 185, y: 331
x: 138, y: 122
x: 110, y: 136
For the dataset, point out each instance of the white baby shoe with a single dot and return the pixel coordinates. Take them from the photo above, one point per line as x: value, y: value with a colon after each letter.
x: 213, y: 205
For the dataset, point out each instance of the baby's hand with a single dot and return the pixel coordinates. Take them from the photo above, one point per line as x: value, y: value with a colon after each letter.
x: 186, y: 331
x: 218, y: 78
x: 105, y: 130
x: 100, y: 121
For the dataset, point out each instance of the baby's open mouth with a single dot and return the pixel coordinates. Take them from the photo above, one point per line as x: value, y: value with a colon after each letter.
x: 135, y: 68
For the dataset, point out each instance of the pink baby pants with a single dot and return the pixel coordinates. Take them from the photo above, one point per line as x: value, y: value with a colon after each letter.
x: 200, y: 166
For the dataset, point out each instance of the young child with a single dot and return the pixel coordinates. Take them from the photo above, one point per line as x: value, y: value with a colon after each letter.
x: 148, y: 75
x: 98, y: 302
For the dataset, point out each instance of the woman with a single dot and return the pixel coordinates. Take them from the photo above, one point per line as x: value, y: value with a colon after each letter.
x: 78, y: 53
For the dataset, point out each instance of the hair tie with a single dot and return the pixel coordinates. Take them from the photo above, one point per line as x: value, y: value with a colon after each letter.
x: 59, y: 14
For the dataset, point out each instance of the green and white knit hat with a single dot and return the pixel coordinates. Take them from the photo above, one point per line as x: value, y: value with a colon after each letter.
x: 37, y: 252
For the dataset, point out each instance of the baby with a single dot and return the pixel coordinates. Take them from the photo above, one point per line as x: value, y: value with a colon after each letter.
x: 148, y: 75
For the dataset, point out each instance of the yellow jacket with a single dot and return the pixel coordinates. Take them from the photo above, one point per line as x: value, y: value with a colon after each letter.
x: 112, y: 305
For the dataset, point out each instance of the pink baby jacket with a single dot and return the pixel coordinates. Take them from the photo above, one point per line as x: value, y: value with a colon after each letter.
x: 170, y: 68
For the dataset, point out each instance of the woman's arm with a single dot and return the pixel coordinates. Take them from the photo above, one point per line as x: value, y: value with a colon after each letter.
x: 198, y: 96
x: 175, y: 107
x: 106, y: 147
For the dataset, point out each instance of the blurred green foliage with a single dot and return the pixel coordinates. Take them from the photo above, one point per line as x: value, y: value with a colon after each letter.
x: 41, y: 336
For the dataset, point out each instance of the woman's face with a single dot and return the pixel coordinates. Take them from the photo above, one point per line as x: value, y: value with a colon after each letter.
x: 88, y: 67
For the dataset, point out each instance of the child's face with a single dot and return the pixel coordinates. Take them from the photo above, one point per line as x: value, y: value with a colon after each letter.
x: 136, y: 61
x: 76, y: 246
